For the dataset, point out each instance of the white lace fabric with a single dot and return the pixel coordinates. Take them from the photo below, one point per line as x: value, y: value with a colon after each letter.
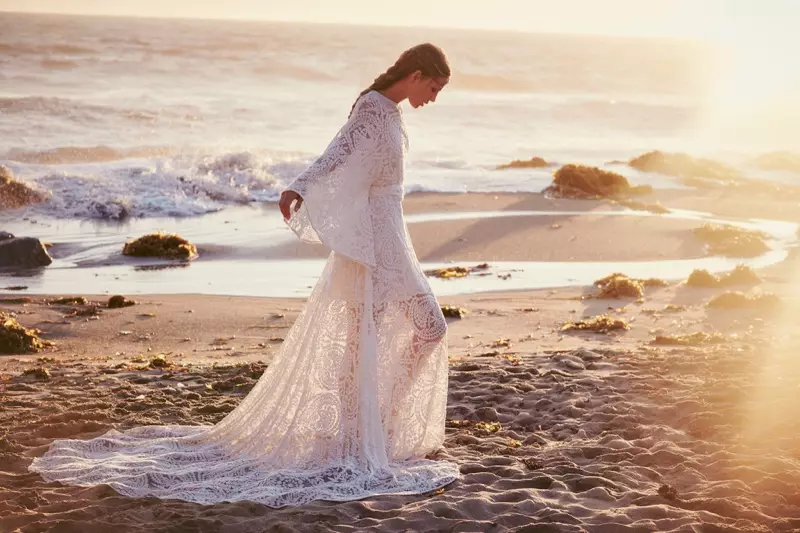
x: 355, y: 399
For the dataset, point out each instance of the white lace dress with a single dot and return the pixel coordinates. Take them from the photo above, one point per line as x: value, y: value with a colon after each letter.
x: 354, y: 400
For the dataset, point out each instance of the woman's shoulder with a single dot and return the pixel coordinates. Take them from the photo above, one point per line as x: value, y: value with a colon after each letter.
x: 375, y: 100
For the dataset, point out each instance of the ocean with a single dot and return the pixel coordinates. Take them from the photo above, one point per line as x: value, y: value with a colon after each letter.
x: 174, y: 121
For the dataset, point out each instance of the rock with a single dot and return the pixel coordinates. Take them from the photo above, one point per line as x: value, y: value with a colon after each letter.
x: 117, y: 301
x: 161, y: 245
x: 535, y: 162
x: 4, y: 236
x: 682, y: 166
x: 23, y: 252
x: 787, y: 161
x: 15, y: 194
x: 579, y: 181
x: 109, y: 211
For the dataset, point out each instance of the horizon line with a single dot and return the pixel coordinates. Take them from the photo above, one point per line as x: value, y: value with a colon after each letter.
x: 686, y: 39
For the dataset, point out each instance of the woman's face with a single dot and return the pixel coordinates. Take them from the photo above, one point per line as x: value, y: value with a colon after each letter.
x: 422, y: 89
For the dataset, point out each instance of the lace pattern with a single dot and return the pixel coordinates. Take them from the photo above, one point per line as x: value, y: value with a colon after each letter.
x: 356, y: 397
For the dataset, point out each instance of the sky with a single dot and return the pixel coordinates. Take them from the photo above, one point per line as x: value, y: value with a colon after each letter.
x: 729, y: 20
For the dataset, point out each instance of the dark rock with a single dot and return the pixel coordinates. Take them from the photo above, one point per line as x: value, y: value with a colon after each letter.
x: 15, y: 194
x: 117, y: 301
x: 579, y: 181
x: 23, y: 252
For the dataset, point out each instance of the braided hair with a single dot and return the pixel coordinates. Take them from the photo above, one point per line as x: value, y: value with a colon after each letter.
x: 426, y: 57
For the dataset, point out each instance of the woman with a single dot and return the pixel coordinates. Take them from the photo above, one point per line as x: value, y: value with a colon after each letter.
x: 356, y: 397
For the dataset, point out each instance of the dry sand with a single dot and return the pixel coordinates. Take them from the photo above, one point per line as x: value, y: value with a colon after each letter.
x: 597, y: 432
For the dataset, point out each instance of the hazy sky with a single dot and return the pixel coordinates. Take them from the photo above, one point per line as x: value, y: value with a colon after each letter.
x: 727, y: 19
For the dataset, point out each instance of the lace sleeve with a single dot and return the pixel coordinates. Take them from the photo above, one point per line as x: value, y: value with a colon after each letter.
x: 357, y: 135
x: 335, y: 188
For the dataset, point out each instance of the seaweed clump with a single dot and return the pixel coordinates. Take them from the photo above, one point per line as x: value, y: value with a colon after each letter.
x: 38, y: 372
x: 161, y: 245
x: 731, y: 241
x: 738, y: 300
x: 453, y: 311
x: 16, y: 339
x: 580, y: 181
x: 71, y: 300
x: 534, y: 162
x: 787, y: 161
x: 597, y: 324
x: 692, y: 339
x: 683, y: 166
x: 457, y: 271
x: 619, y: 285
x: 741, y: 275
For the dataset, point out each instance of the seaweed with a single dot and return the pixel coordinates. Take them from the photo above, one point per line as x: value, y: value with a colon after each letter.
x: 580, y: 181
x: 16, y: 339
x: 597, y: 324
x: 534, y: 162
x: 167, y: 245
x: 732, y: 241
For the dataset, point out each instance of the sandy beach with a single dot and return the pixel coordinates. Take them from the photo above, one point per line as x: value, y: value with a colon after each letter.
x: 554, y: 430
x: 606, y: 204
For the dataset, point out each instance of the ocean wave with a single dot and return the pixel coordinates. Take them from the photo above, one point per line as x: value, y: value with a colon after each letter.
x: 85, y: 154
x: 51, y: 49
x: 58, y: 64
x: 49, y: 105
x: 177, y: 186
x: 82, y: 112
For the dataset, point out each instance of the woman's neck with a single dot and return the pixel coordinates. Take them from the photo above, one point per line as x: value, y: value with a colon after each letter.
x: 396, y: 93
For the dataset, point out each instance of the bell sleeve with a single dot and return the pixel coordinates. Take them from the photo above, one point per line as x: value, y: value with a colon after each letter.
x: 335, y: 188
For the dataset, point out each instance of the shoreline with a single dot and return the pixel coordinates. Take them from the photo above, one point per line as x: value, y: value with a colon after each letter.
x: 538, y: 240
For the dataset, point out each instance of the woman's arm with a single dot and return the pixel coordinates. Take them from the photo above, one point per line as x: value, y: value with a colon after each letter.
x: 358, y: 134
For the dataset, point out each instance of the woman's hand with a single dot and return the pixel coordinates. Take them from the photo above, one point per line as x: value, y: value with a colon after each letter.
x: 285, y: 203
